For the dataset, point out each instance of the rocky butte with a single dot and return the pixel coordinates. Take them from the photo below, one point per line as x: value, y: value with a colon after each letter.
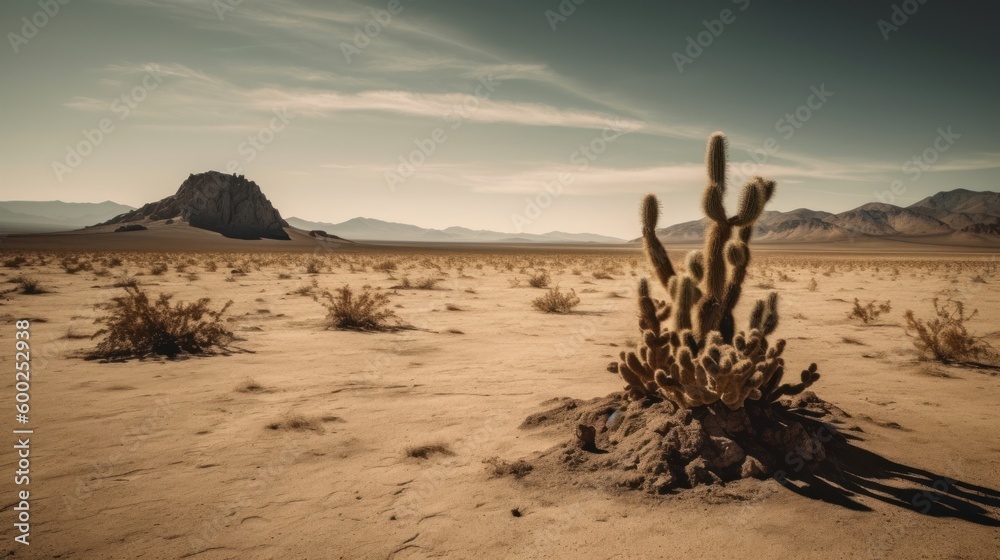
x: 227, y: 204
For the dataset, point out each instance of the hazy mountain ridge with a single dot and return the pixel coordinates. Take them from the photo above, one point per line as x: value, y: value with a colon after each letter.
x: 369, y: 229
x: 959, y: 211
x: 947, y: 212
x: 55, y: 215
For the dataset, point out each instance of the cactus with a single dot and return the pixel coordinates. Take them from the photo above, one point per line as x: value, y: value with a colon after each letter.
x: 691, y: 353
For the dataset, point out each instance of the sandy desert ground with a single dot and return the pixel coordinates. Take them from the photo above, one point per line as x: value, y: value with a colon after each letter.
x: 188, y: 459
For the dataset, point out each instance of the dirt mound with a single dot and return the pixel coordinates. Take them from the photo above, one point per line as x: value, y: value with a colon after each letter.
x: 658, y: 447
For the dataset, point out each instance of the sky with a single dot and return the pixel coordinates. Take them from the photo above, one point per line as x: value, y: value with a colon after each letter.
x: 508, y: 115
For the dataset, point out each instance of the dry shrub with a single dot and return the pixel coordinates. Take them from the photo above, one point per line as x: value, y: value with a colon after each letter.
x: 296, y: 422
x: 499, y: 467
x: 72, y: 265
x: 249, y: 386
x: 126, y: 281
x: 945, y: 338
x: 387, y: 265
x: 418, y: 284
x: 540, y: 280
x: 426, y: 451
x: 869, y: 312
x: 136, y: 327
x: 813, y: 285
x: 555, y: 301
x: 364, y: 311
x: 15, y: 262
x: 314, y: 266
x: 159, y: 269
x: 28, y: 286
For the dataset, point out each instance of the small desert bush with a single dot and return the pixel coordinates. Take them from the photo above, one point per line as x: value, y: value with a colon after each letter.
x: 15, y: 262
x: 136, y: 326
x: 126, y: 281
x: 540, y: 280
x: 869, y: 312
x: 385, y: 266
x: 812, y: 286
x: 28, y: 286
x: 159, y: 269
x: 314, y: 266
x: 945, y: 338
x: 306, y: 290
x: 249, y: 386
x: 499, y: 467
x: 426, y: 451
x: 362, y: 311
x: 428, y: 283
x: 602, y: 275
x: 72, y: 265
x: 555, y: 301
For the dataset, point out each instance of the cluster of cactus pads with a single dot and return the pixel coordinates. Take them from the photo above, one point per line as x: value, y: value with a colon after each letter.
x: 691, y: 353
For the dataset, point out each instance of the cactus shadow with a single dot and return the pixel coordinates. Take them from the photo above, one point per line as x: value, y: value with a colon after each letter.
x: 852, y: 472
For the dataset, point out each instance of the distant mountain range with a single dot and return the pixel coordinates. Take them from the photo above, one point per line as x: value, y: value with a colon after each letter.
x: 24, y: 216
x: 958, y: 213
x: 368, y: 229
x: 949, y: 213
